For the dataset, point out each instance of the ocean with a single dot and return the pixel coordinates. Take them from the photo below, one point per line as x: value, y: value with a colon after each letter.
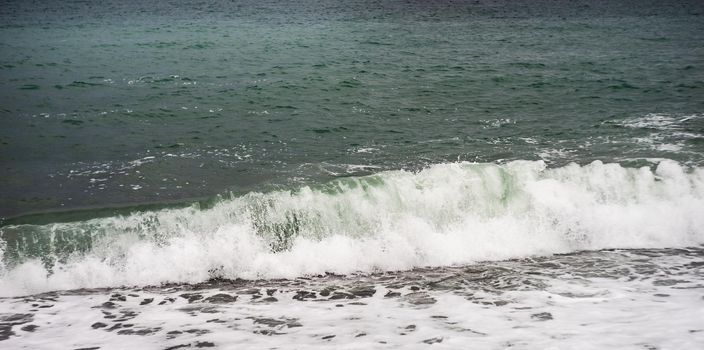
x: 351, y: 174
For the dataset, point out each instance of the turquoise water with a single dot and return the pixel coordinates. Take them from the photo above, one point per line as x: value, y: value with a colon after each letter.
x: 122, y: 103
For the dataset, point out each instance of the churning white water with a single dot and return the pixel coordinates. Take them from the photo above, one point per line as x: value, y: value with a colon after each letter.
x: 446, y: 214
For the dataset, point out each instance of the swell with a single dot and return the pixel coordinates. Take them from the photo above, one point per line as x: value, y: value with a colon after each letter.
x: 443, y: 215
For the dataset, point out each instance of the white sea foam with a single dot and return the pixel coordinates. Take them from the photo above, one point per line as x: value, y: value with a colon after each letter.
x: 553, y: 153
x: 605, y: 300
x: 365, y: 150
x: 446, y: 214
x: 658, y: 121
x: 666, y: 133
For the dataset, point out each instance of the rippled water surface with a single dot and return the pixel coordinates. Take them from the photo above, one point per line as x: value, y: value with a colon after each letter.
x: 116, y: 103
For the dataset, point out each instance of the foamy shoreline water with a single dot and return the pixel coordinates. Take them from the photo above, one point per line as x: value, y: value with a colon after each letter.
x: 625, y: 299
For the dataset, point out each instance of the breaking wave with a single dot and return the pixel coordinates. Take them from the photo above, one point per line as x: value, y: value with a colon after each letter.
x: 446, y: 214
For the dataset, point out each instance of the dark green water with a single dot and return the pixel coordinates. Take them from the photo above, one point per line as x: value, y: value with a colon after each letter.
x: 115, y: 103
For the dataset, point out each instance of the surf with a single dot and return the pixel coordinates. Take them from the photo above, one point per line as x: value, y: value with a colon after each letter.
x: 446, y: 214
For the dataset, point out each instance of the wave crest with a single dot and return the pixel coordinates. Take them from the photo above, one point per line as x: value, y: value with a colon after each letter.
x: 446, y: 214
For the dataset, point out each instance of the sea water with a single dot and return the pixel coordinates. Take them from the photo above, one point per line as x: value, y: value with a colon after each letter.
x: 351, y: 174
